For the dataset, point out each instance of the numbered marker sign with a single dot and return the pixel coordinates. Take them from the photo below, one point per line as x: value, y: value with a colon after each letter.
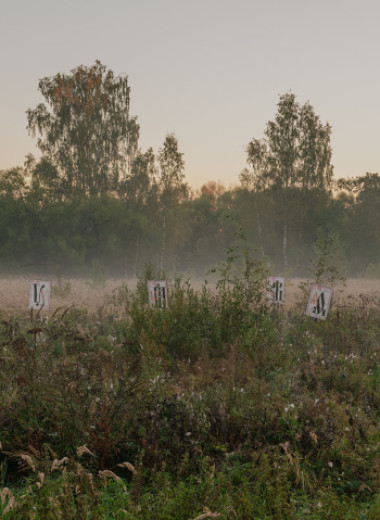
x: 158, y: 293
x: 39, y: 294
x: 319, y: 301
x: 276, y: 289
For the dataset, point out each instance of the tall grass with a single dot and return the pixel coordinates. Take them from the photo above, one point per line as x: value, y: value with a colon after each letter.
x: 217, y: 406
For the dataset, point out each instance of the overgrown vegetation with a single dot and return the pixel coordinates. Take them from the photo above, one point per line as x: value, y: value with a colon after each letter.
x: 217, y: 407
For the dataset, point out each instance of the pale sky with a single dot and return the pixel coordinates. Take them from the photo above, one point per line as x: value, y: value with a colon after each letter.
x: 210, y: 71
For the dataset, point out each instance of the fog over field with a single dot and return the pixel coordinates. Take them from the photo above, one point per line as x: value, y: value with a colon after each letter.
x: 92, y: 295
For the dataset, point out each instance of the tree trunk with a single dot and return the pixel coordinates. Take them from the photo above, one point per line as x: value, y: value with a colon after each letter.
x: 259, y: 228
x: 163, y: 243
x: 137, y: 254
x: 126, y: 267
x: 285, y: 246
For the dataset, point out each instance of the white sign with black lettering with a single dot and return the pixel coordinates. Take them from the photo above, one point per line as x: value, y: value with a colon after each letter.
x: 39, y: 294
x: 158, y: 293
x: 319, y: 301
x: 276, y: 289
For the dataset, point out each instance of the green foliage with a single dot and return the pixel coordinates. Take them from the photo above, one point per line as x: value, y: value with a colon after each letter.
x: 294, y: 156
x: 296, y: 151
x: 216, y: 402
x: 85, y: 128
x: 93, y: 196
x: 326, y: 265
x: 219, y: 405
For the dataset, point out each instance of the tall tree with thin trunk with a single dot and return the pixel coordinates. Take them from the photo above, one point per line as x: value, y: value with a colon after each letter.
x: 294, y: 155
x: 172, y: 189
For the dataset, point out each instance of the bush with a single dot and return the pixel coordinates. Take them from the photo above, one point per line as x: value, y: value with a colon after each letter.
x: 217, y: 401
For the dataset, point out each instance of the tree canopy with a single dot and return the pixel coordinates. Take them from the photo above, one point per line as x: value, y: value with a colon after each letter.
x: 296, y: 150
x: 94, y: 198
x: 85, y: 128
x: 295, y: 154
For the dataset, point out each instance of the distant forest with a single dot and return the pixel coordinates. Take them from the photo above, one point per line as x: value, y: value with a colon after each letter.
x: 94, y: 200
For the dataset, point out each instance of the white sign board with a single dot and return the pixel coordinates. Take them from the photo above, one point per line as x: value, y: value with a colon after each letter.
x: 39, y: 294
x: 275, y: 289
x: 319, y: 301
x: 158, y: 293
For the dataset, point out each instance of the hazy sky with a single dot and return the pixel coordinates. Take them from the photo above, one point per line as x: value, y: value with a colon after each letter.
x: 210, y: 71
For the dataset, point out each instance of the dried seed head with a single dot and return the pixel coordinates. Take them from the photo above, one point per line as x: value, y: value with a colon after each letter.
x: 41, y: 478
x: 107, y: 473
x: 82, y: 450
x: 6, y: 492
x: 27, y: 459
x: 57, y: 464
x: 129, y: 466
x: 313, y: 437
x: 207, y: 514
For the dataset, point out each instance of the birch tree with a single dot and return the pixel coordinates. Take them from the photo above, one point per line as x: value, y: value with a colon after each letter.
x: 295, y: 154
x: 84, y: 128
x: 172, y: 190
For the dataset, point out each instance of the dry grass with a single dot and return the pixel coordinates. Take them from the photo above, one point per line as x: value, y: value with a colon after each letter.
x: 354, y: 288
x: 211, y: 403
x: 14, y: 293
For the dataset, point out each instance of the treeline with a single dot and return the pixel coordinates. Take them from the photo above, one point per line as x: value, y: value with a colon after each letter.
x: 119, y: 235
x: 95, y: 200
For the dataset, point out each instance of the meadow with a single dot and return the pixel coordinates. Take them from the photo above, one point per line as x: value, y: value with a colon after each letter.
x: 92, y: 293
x: 220, y: 406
